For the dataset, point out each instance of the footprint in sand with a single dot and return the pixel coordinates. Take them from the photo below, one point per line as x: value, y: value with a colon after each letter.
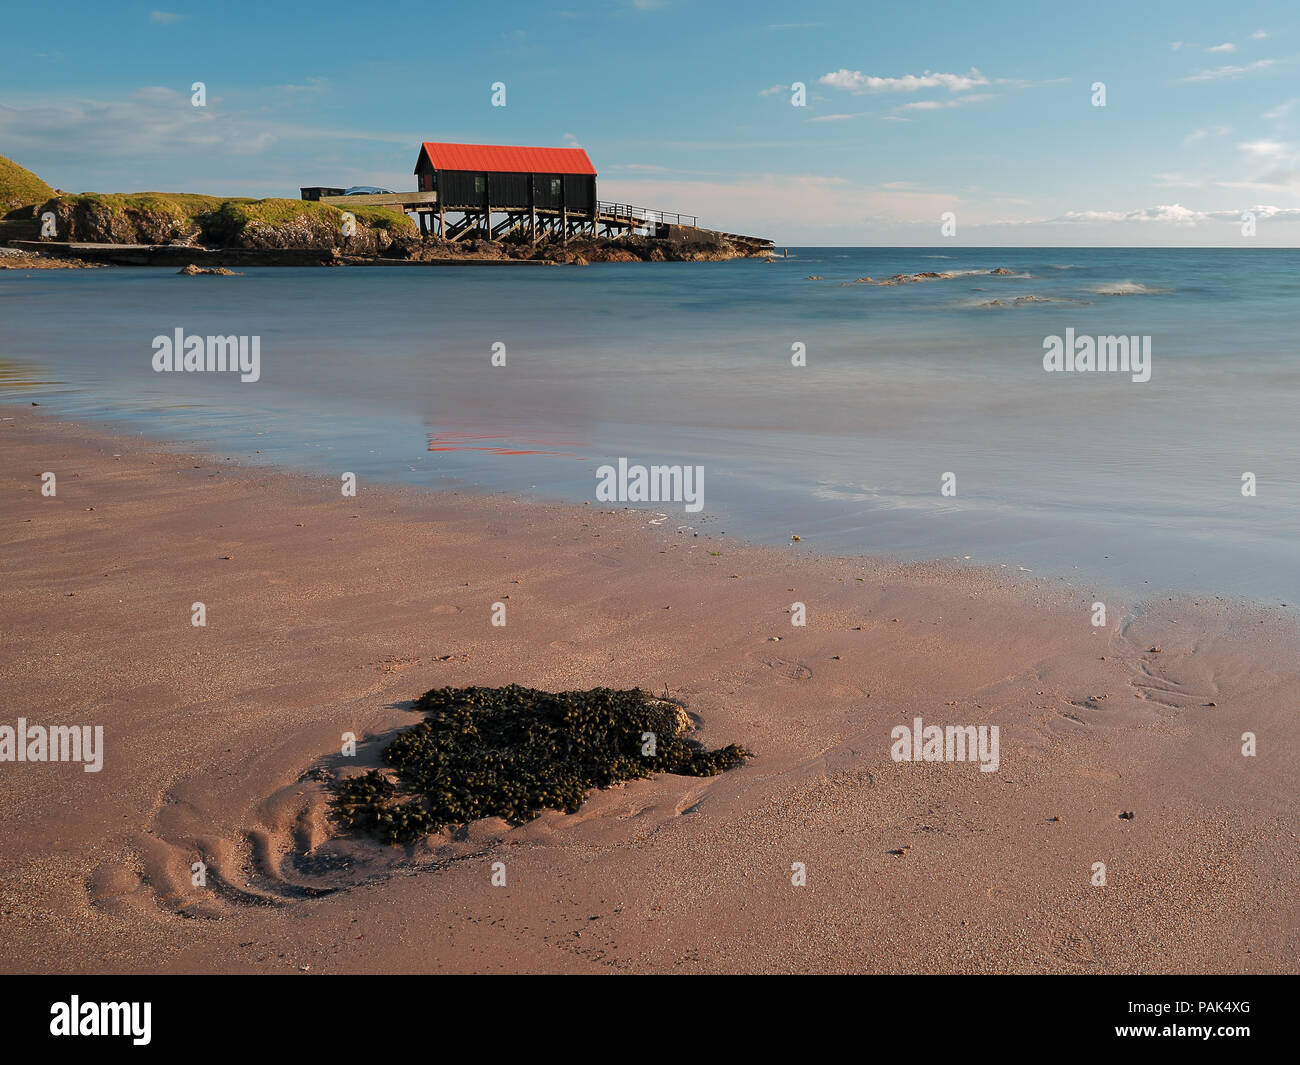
x: 1066, y: 942
x: 615, y: 609
x: 783, y: 668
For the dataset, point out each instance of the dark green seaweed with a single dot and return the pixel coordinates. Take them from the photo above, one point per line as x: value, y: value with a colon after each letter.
x: 512, y: 752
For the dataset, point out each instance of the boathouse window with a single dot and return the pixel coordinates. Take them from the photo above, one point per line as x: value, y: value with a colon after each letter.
x: 479, y: 184
x: 555, y: 187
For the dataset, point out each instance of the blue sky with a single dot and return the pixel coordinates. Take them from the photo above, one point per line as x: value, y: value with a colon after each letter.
x: 912, y: 110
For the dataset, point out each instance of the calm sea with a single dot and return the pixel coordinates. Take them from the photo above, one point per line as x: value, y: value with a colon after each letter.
x: 387, y: 372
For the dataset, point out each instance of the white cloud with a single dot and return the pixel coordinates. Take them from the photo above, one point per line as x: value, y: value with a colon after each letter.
x: 773, y: 90
x: 1226, y: 73
x: 1172, y: 214
x: 1280, y: 162
x: 155, y: 138
x: 1270, y: 151
x: 856, y: 81
x: 1177, y: 180
x: 1258, y: 35
x: 834, y: 118
x: 164, y: 18
x: 1225, y: 47
x: 827, y: 208
x: 1280, y: 111
x: 936, y: 105
x: 1201, y: 134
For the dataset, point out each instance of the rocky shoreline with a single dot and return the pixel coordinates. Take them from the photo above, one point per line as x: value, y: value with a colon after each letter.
x: 164, y: 229
x: 19, y: 259
x: 428, y: 252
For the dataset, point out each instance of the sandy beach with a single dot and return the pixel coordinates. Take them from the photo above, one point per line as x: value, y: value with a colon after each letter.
x: 328, y: 615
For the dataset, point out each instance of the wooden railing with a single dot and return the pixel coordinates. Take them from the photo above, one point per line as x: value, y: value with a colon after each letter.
x: 645, y: 214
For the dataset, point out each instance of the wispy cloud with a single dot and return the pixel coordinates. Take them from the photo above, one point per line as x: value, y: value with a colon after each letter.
x: 1268, y: 150
x: 154, y: 136
x: 937, y: 105
x: 1167, y: 214
x: 1178, y: 181
x: 827, y: 207
x: 857, y: 82
x: 1201, y: 134
x: 1266, y: 165
x: 1227, y: 46
x: 1276, y: 166
x: 1228, y: 73
x: 164, y: 18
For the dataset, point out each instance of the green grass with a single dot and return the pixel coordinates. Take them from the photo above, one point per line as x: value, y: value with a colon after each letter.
x: 19, y: 187
x: 511, y: 752
x: 274, y: 212
x: 398, y: 223
x: 223, y: 215
x: 229, y: 216
x: 183, y: 206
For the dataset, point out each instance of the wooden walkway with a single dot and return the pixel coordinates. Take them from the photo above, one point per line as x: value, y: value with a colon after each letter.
x: 616, y: 219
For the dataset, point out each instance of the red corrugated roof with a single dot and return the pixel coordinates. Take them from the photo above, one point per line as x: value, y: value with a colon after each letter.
x: 508, y: 159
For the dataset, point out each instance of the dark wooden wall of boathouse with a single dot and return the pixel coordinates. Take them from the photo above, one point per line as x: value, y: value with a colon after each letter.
x: 475, y: 189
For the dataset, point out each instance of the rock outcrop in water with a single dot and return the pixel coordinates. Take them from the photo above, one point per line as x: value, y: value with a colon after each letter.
x: 197, y: 271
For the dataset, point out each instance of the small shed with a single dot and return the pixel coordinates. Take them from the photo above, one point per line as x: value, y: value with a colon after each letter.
x: 503, y: 177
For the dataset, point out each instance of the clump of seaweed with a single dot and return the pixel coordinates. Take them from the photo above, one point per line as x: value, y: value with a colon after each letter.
x: 511, y: 752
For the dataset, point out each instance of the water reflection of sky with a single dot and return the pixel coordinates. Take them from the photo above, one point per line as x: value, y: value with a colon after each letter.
x: 388, y: 373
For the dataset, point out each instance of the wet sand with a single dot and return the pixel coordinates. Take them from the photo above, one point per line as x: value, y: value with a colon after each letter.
x: 327, y: 615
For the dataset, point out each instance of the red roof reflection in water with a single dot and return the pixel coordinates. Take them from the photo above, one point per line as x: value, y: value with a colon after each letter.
x: 455, y: 441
